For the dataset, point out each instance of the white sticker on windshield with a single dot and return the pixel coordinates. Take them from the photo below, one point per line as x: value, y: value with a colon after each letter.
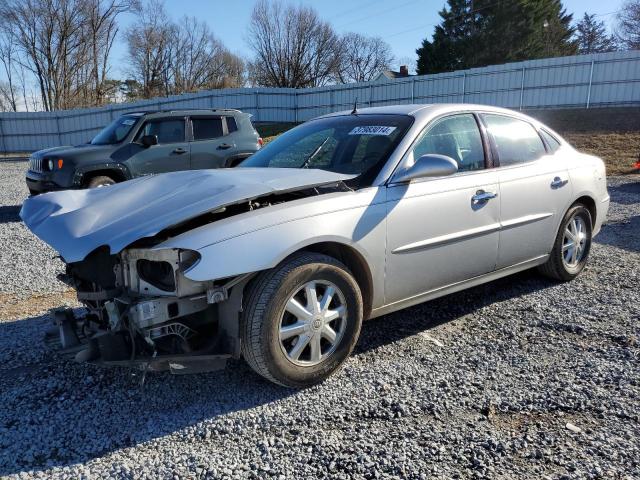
x: 372, y: 130
x: 128, y: 122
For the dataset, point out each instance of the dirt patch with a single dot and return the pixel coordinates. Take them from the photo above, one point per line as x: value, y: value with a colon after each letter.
x: 12, y: 306
x: 618, y: 150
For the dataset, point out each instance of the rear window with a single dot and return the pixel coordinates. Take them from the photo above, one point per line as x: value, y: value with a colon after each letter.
x: 516, y: 140
x: 206, y: 128
x: 231, y: 124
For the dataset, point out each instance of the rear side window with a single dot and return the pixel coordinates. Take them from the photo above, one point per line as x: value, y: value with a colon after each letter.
x: 232, y: 126
x: 206, y: 128
x: 552, y: 141
x: 516, y: 140
x: 167, y: 131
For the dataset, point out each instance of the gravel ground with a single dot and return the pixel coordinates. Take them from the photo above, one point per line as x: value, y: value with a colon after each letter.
x: 519, y: 378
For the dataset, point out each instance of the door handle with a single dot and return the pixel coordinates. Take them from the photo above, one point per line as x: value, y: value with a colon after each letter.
x: 224, y: 146
x: 179, y: 151
x: 481, y: 197
x: 558, y: 182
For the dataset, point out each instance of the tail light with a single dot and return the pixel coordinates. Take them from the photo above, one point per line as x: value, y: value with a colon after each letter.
x: 260, y: 141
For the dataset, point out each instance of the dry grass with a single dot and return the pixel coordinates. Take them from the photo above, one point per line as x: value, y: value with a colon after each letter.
x: 14, y: 307
x: 618, y: 150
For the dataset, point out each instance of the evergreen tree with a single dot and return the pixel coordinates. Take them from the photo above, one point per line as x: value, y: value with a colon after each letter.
x: 475, y: 33
x: 592, y: 36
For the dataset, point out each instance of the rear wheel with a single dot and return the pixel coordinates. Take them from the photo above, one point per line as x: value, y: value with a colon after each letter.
x: 572, y: 245
x: 100, y: 181
x: 302, y: 320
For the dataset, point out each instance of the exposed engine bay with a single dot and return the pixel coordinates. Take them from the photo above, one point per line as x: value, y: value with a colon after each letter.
x: 142, y: 311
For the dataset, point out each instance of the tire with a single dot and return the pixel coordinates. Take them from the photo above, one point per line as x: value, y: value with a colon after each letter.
x: 100, y: 181
x: 557, y: 266
x: 267, y: 313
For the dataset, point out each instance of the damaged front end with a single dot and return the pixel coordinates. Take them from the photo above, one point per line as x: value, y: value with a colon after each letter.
x: 142, y: 311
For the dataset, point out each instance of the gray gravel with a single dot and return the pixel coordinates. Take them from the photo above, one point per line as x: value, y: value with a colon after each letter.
x: 27, y: 265
x: 520, y: 378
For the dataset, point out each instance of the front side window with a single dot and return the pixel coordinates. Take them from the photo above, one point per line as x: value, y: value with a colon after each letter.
x: 116, y: 131
x: 350, y: 144
x: 206, y: 128
x: 167, y: 131
x: 516, y: 140
x: 457, y: 137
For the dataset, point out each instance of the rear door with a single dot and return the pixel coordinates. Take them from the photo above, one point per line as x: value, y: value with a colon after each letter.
x: 212, y: 143
x: 169, y: 155
x: 534, y: 189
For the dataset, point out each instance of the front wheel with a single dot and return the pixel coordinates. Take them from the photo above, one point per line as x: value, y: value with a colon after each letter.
x: 100, y: 181
x: 572, y: 245
x: 301, y: 320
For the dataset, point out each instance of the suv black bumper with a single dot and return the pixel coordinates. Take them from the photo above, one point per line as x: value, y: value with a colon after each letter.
x: 41, y: 183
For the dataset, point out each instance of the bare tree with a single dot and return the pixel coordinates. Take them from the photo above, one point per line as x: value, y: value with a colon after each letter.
x: 200, y: 61
x: 292, y: 46
x: 628, y: 29
x: 149, y: 42
x: 7, y: 59
x: 362, y: 58
x: 64, y: 44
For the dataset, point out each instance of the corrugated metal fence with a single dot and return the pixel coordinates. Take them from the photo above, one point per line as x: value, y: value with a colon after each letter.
x: 606, y: 79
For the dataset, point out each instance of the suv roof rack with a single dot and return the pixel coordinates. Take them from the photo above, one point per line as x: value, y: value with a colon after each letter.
x: 175, y: 110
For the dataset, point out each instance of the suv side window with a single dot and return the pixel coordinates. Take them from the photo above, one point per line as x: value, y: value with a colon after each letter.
x: 169, y: 130
x: 232, y: 126
x: 516, y: 141
x: 207, y: 128
x: 457, y: 137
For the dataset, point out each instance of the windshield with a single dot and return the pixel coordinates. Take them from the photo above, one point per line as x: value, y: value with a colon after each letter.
x: 350, y: 144
x: 115, y: 132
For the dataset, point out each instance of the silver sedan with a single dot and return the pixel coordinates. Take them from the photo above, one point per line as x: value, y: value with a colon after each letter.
x: 347, y: 217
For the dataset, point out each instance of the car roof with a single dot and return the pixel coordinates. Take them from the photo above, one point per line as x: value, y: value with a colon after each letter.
x: 179, y: 112
x: 430, y: 110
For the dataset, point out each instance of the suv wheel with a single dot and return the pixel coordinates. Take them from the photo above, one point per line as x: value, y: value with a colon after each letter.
x: 302, y: 320
x: 572, y: 245
x: 100, y: 181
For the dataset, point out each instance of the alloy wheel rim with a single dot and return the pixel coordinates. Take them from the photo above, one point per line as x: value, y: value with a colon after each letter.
x: 313, y: 323
x: 574, y: 242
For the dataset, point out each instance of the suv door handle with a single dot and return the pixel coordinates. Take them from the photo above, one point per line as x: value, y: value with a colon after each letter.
x: 558, y: 182
x: 179, y: 151
x: 481, y: 196
x: 224, y: 146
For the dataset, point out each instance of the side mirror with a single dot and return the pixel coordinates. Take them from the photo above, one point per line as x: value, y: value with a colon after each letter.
x: 430, y: 165
x: 149, y: 140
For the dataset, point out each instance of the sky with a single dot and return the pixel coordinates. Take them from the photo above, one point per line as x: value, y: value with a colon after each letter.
x: 402, y: 23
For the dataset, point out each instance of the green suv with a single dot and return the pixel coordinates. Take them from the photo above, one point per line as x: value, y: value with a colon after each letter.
x: 145, y: 143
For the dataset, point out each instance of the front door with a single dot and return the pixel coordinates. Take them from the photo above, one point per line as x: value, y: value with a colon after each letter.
x: 534, y: 190
x: 172, y: 152
x: 441, y: 231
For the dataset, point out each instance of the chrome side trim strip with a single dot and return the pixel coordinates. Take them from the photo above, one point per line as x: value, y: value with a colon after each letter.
x: 526, y: 219
x: 449, y: 238
x: 472, y: 232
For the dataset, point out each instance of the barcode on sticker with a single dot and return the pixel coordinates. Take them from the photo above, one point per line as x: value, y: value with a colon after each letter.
x: 372, y: 130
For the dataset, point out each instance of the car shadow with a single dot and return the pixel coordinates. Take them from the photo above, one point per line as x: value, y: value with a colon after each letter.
x: 10, y: 213
x: 621, y: 193
x: 623, y: 234
x: 104, y: 410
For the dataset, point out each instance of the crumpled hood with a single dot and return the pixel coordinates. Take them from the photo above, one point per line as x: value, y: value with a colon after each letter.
x: 76, y: 222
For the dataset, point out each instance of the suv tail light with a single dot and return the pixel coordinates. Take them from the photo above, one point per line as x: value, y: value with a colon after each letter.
x: 260, y: 141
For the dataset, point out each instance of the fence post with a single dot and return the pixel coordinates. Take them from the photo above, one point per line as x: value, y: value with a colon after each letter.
x: 257, y: 106
x: 370, y: 93
x: 413, y: 90
x: 58, y: 129
x: 295, y: 105
x: 464, y: 86
x: 4, y: 145
x: 524, y: 70
x: 590, y: 83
